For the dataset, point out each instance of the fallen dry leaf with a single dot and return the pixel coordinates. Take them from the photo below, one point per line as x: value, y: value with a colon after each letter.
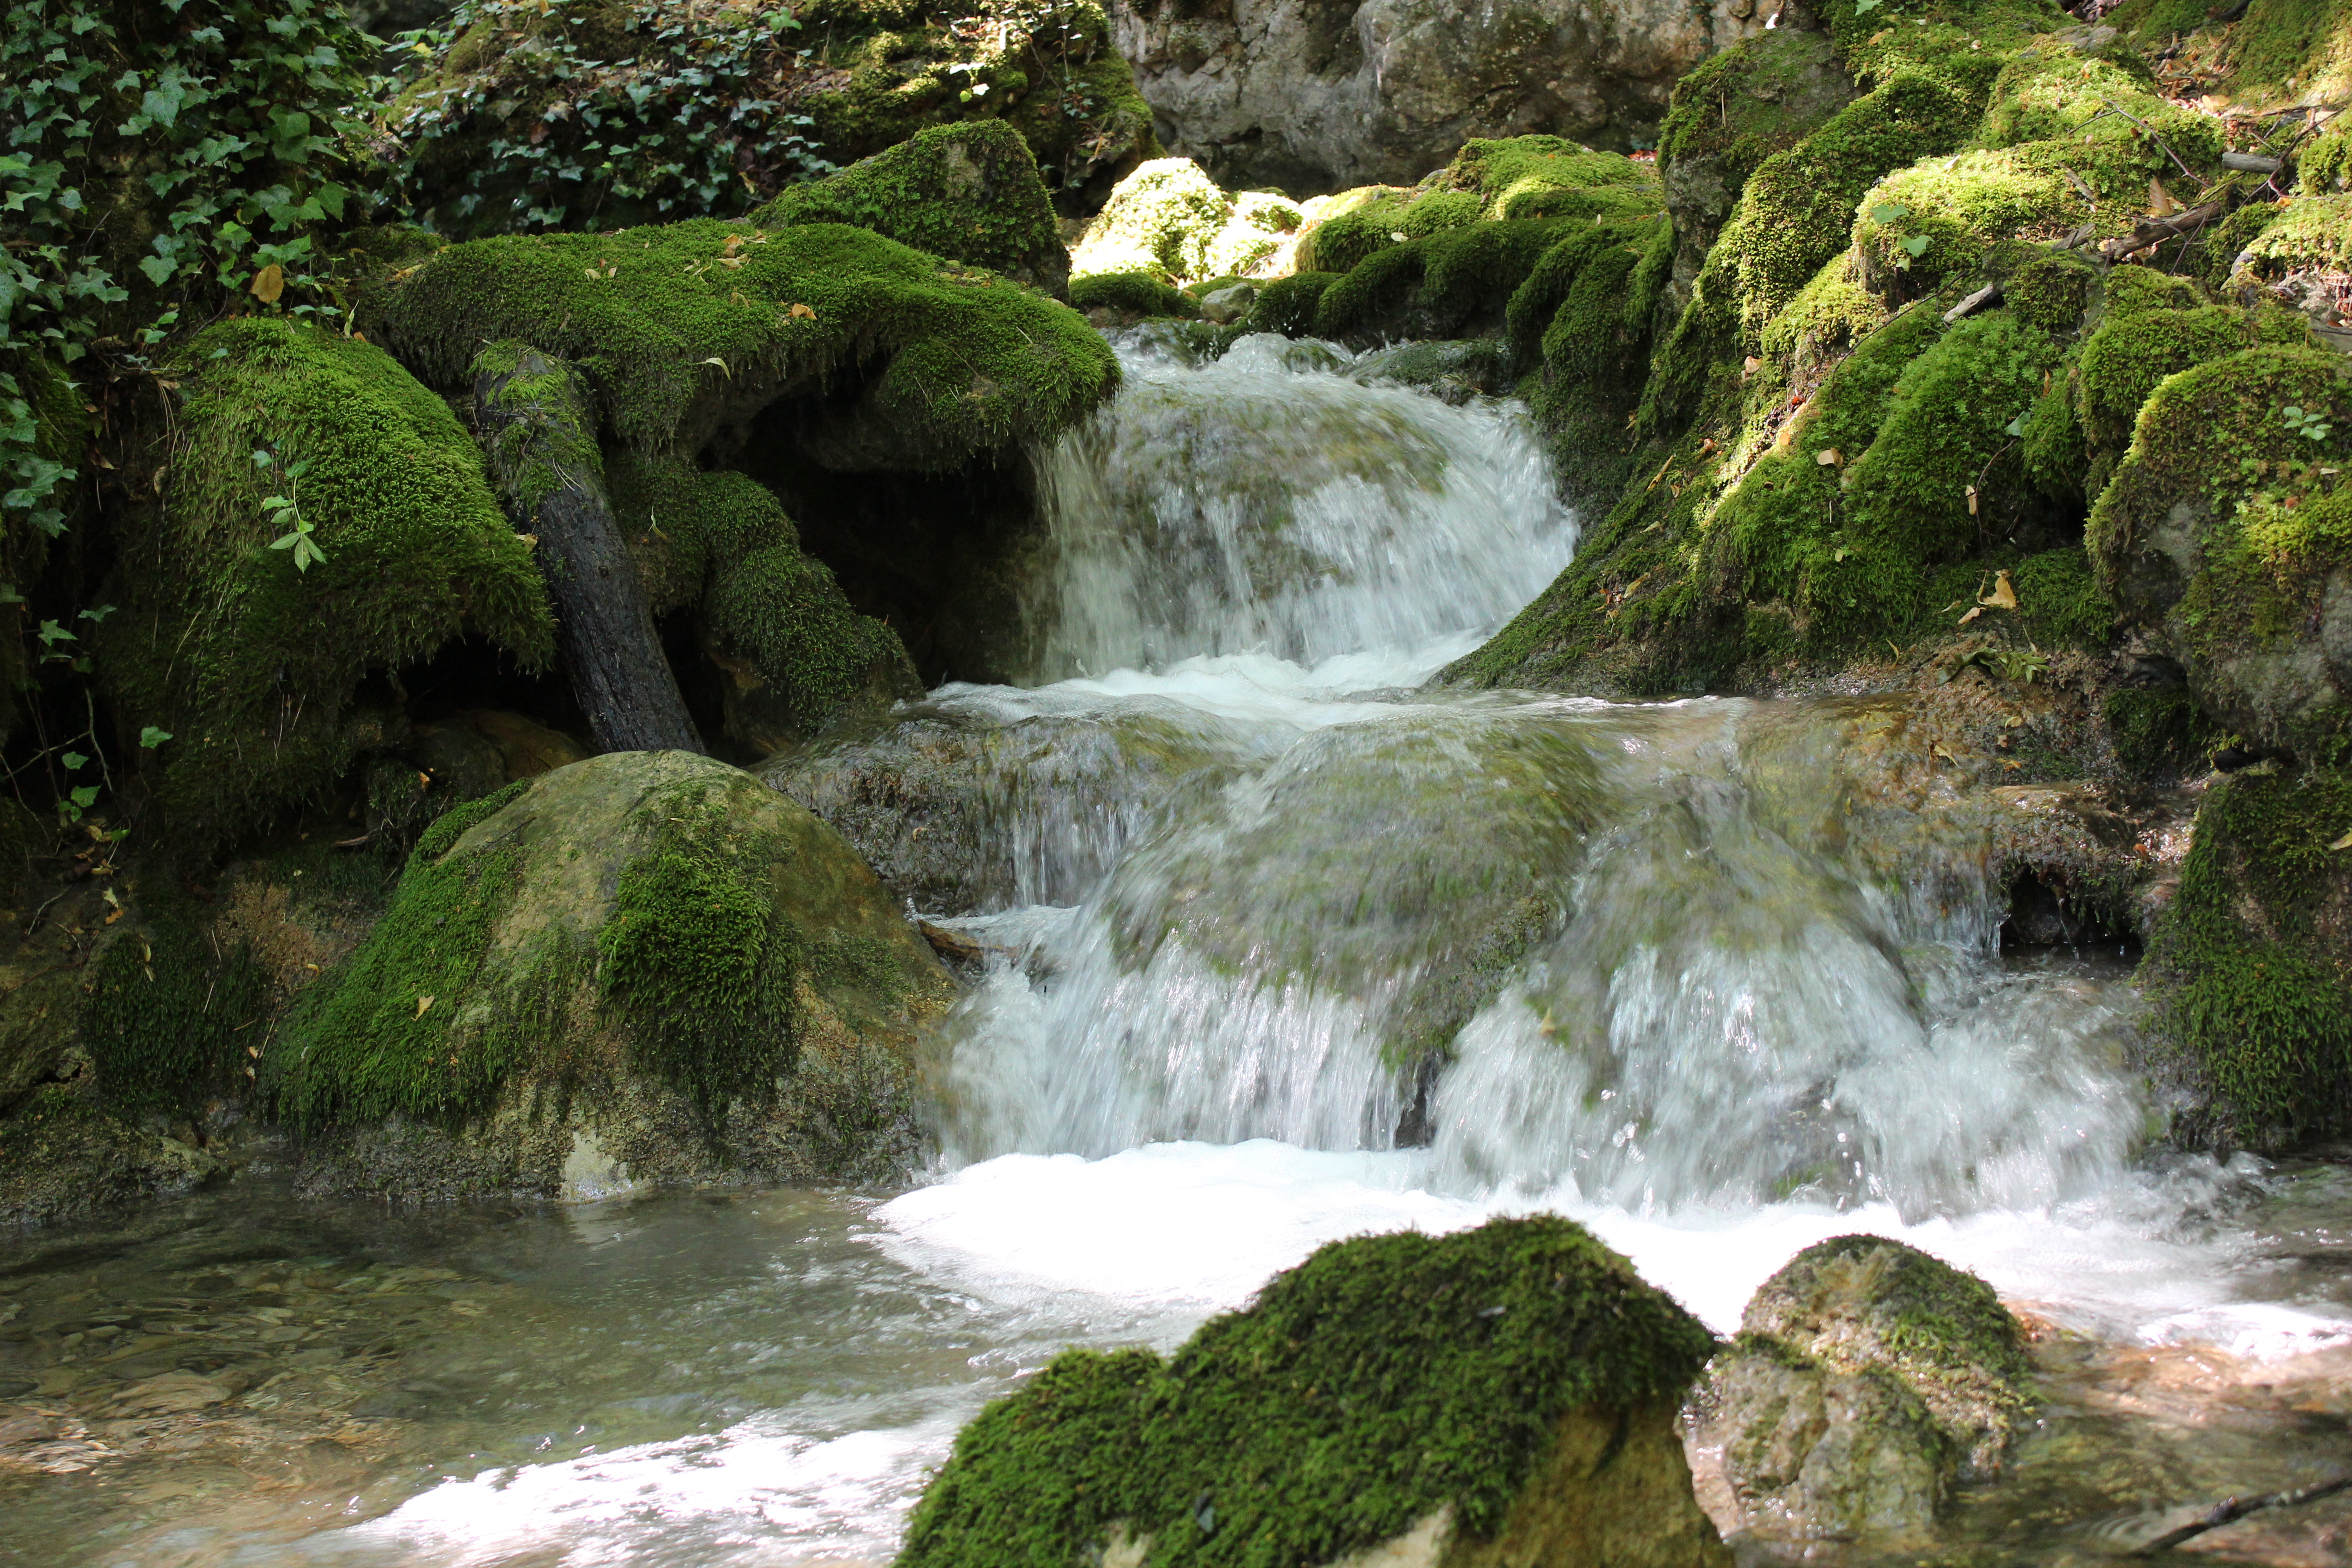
x: 1829, y: 456
x: 421, y: 1004
x: 2004, y: 593
x: 269, y: 283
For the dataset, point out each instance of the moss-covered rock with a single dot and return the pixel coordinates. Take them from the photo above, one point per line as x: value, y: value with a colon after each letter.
x: 1867, y: 1377
x: 254, y: 665
x: 1170, y: 219
x: 2229, y: 528
x: 2251, y: 970
x: 695, y: 327
x: 597, y: 115
x: 969, y: 192
x: 1501, y: 1395
x: 648, y: 962
x: 1131, y: 296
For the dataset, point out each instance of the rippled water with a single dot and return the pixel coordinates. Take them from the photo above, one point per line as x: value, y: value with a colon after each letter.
x: 1281, y: 949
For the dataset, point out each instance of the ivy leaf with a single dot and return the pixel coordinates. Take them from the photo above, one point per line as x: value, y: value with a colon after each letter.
x: 1887, y: 212
x: 86, y: 797
x: 74, y: 761
x: 150, y: 737
x: 1916, y: 245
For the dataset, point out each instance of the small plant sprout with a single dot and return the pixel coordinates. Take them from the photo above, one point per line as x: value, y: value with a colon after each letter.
x: 286, y: 511
x: 2310, y: 424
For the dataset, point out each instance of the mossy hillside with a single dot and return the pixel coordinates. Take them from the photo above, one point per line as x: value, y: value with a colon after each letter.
x: 687, y: 327
x: 595, y: 114
x: 2249, y: 971
x: 969, y: 192
x: 796, y: 655
x: 1372, y: 1385
x: 256, y: 668
x: 652, y: 914
x: 2272, y: 52
x: 1736, y: 108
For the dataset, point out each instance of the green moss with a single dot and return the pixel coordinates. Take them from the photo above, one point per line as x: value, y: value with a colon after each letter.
x: 2311, y: 234
x: 1594, y: 342
x: 1287, y: 305
x: 2055, y: 451
x: 254, y: 666
x: 675, y: 325
x: 2052, y: 290
x: 1546, y: 176
x: 723, y: 543
x: 2158, y: 734
x: 401, y: 1028
x: 1131, y: 294
x: 1361, y: 1390
x: 168, y: 1013
x: 969, y: 192
x: 2324, y: 166
x: 2225, y: 241
x: 1444, y: 286
x: 2132, y: 352
x: 1356, y: 230
x: 696, y: 961
x: 1740, y: 106
x: 2253, y: 984
x: 2060, y: 600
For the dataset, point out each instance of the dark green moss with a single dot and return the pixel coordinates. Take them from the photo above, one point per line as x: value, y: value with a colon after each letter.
x: 2060, y: 601
x: 1448, y: 285
x: 1287, y: 305
x: 2158, y: 734
x: 1379, y: 1379
x: 169, y: 1014
x: 255, y: 667
x: 1133, y: 294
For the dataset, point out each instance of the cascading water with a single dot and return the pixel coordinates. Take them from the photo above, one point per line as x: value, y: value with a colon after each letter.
x: 1282, y: 950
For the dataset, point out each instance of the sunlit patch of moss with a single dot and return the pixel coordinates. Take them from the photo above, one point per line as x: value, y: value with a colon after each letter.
x: 1445, y: 286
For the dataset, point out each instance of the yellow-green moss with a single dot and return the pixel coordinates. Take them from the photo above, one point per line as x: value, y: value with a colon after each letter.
x: 675, y: 325
x: 1548, y: 176
x: 256, y: 667
x: 1382, y: 1378
x: 1287, y: 305
x: 1445, y: 286
x: 1131, y: 294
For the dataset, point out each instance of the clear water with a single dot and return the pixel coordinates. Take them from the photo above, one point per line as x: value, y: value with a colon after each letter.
x: 1737, y: 989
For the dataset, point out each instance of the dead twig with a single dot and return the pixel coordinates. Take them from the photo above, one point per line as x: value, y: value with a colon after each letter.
x: 2149, y: 231
x: 2232, y: 1508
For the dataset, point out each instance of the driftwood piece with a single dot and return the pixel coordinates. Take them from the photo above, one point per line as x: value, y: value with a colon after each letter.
x: 2253, y: 163
x: 532, y: 413
x: 2150, y: 231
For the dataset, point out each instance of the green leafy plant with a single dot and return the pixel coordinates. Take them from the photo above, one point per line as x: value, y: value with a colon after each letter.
x: 2309, y: 424
x: 286, y: 513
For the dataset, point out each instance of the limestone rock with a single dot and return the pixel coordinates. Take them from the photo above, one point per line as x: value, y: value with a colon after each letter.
x: 1868, y: 1378
x: 646, y: 958
x: 1500, y: 1396
x: 1170, y: 218
x: 1331, y: 93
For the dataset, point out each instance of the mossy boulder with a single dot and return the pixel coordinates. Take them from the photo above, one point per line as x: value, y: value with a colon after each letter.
x: 255, y: 667
x: 1127, y: 297
x: 2251, y: 968
x: 967, y: 192
x: 646, y: 963
x: 893, y: 359
x: 1866, y: 1379
x: 598, y: 115
x: 1169, y: 218
x: 1502, y: 1395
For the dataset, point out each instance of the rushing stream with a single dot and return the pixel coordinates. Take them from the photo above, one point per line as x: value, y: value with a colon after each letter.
x: 1279, y: 949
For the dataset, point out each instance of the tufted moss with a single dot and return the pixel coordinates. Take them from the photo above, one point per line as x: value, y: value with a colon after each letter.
x: 969, y: 192
x: 1735, y: 107
x: 2159, y: 734
x: 1131, y: 294
x: 1548, y: 176
x: 1590, y: 300
x: 1287, y: 305
x: 2053, y: 289
x: 1359, y: 222
x: 400, y: 1029
x: 2309, y: 233
x: 1364, y: 1389
x: 2251, y: 981
x: 255, y: 667
x: 771, y: 615
x: 2324, y: 167
x: 2060, y: 601
x: 2133, y: 351
x: 680, y: 326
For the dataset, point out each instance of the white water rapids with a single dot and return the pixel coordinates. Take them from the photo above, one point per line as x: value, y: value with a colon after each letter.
x: 1286, y: 950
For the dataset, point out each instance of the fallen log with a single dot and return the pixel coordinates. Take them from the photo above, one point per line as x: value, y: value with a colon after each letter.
x: 531, y: 414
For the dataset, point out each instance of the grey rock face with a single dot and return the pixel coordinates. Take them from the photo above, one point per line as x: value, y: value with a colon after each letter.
x: 1868, y: 1378
x: 1315, y: 95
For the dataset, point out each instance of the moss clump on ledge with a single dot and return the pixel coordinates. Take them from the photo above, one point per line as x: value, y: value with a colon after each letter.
x: 1383, y: 1379
x: 690, y: 327
x: 969, y: 192
x: 1133, y: 294
x: 253, y: 665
